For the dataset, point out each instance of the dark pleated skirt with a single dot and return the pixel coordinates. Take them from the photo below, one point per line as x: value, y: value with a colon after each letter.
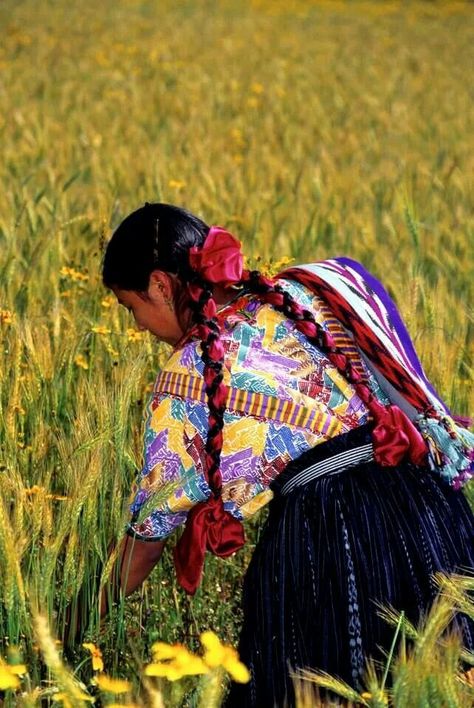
x: 329, y: 552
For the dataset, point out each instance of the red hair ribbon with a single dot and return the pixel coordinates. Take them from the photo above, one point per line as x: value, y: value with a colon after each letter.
x: 219, y: 260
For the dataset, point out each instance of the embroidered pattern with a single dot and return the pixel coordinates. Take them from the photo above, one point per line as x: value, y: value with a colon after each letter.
x: 284, y: 397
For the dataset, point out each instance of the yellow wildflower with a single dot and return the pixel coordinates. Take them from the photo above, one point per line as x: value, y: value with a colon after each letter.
x: 81, y: 361
x: 253, y: 102
x: 8, y: 677
x: 162, y: 651
x: 176, y: 184
x: 134, y: 335
x: 173, y: 661
x: 258, y: 88
x: 6, y: 317
x: 107, y: 301
x: 73, y: 274
x: 218, y: 654
x: 18, y: 669
x: 101, y: 329
x: 96, y: 654
x: 112, y: 685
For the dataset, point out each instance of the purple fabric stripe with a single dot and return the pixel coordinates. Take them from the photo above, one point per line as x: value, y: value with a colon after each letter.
x: 233, y: 396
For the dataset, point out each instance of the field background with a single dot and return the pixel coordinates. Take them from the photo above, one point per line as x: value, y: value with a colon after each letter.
x: 309, y: 129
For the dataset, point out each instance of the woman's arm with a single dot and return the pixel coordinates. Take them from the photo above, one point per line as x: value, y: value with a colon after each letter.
x: 136, y: 559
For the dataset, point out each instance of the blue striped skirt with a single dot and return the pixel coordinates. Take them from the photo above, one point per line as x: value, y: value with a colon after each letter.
x: 344, y: 534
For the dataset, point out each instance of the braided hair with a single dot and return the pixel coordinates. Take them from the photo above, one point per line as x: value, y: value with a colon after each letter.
x: 160, y: 236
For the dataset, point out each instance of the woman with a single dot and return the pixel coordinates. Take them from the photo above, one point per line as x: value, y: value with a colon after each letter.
x: 267, y: 396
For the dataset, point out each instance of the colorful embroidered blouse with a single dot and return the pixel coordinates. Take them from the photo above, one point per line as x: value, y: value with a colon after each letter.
x: 284, y: 398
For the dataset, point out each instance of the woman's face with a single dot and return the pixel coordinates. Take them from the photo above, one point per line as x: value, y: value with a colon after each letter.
x: 153, y: 310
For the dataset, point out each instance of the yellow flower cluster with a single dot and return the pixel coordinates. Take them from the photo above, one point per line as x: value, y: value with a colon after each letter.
x: 73, y: 274
x: 268, y: 268
x: 175, y: 661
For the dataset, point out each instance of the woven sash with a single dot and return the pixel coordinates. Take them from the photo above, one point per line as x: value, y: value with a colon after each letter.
x: 331, y: 465
x: 250, y: 403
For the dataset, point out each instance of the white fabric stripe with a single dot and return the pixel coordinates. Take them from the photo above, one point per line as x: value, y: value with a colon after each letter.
x: 341, y: 460
x: 302, y: 479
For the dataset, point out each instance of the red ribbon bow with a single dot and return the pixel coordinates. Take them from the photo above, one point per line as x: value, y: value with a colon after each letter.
x: 395, y: 436
x: 208, y: 526
x: 219, y: 261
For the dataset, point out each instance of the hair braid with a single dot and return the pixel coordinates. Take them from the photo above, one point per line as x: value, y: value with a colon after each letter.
x: 306, y: 323
x: 204, y: 311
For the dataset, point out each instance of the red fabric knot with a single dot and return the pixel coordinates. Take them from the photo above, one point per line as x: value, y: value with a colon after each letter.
x: 208, y: 526
x: 395, y: 437
x: 219, y: 261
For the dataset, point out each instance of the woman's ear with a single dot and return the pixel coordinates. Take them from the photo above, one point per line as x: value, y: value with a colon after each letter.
x: 160, y: 286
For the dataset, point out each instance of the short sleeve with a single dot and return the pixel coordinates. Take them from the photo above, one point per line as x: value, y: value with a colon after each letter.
x: 172, y: 480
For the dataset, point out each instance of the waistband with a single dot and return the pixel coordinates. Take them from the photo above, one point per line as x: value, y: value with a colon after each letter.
x: 326, y: 459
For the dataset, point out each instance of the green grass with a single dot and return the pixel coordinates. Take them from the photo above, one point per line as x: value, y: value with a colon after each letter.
x: 309, y: 129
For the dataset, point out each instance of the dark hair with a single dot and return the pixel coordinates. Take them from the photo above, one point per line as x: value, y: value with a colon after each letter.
x: 159, y: 236
x: 156, y: 236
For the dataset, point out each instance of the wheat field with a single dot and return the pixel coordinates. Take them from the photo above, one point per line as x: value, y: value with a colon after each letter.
x: 309, y: 129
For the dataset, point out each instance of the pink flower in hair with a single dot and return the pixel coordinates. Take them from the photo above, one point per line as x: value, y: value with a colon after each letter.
x: 219, y: 261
